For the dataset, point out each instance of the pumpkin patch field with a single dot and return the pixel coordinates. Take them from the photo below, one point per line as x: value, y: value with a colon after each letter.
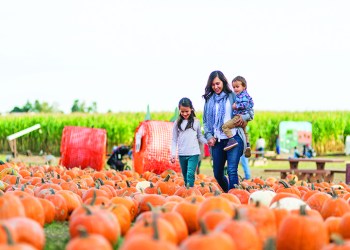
x: 51, y: 207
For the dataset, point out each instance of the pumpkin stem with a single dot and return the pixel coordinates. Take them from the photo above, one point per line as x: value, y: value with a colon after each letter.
x: 337, y: 239
x: 217, y: 192
x: 101, y: 181
x: 334, y: 194
x: 151, y: 207
x: 94, y: 197
x: 236, y: 216
x: 159, y: 191
x: 9, y: 235
x: 166, y: 178
x: 285, y: 184
x: 87, y: 209
x: 17, y: 181
x: 82, y: 232
x: 155, y: 225
x: 257, y: 203
x: 302, y: 210
x: 204, y: 229
x: 270, y: 244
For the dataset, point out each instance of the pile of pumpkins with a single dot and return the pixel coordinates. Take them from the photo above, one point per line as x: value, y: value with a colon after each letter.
x: 150, y: 211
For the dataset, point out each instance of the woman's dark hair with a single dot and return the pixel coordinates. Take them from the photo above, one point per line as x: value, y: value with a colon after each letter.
x: 186, y: 102
x: 209, y: 90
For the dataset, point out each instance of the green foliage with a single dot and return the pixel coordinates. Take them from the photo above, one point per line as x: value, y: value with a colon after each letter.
x: 37, y: 107
x: 329, y: 128
x: 80, y: 107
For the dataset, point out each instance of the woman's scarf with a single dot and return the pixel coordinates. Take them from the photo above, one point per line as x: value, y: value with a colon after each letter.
x: 214, y: 120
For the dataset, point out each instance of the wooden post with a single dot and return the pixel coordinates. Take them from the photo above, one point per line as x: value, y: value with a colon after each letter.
x: 12, y: 138
x: 13, y: 147
x: 347, y: 174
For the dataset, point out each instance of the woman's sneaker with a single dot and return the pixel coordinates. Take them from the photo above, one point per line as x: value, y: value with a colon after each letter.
x: 248, y: 151
x: 230, y: 144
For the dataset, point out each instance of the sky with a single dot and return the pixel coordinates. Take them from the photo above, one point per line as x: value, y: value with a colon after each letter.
x: 125, y: 55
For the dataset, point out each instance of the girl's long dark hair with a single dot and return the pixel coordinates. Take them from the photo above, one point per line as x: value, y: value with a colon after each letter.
x: 209, y: 90
x: 186, y: 102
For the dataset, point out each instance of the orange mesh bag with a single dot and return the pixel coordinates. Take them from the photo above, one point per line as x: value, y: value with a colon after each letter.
x: 153, y: 154
x: 83, y: 147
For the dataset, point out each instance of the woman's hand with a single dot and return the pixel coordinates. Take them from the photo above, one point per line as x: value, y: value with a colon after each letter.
x: 240, y: 122
x: 211, y: 141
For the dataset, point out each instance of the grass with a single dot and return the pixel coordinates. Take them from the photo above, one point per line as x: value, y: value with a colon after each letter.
x: 57, y: 235
x: 258, y: 170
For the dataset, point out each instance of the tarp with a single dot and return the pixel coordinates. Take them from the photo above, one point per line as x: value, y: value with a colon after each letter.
x: 83, y: 147
x: 152, y: 147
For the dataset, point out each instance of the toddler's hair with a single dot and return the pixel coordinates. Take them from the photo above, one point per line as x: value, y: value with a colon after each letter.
x: 241, y: 79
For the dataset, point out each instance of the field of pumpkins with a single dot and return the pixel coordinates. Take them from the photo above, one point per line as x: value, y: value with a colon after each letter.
x: 125, y: 210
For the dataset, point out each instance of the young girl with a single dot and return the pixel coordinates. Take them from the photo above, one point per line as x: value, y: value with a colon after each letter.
x: 186, y: 134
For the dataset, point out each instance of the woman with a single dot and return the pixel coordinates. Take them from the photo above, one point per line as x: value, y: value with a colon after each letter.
x: 217, y: 110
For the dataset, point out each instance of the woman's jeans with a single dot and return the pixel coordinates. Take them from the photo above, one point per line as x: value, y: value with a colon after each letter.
x: 188, y: 165
x: 232, y: 157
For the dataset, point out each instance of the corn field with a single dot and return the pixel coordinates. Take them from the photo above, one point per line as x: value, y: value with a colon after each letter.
x: 329, y: 129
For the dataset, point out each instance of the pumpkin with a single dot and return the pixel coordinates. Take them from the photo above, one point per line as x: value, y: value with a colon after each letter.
x: 301, y: 232
x: 242, y: 232
x: 334, y: 207
x: 10, y: 206
x: 289, y: 203
x: 88, y: 241
x: 208, y: 240
x: 142, y: 185
x: 262, y: 196
x: 95, y: 220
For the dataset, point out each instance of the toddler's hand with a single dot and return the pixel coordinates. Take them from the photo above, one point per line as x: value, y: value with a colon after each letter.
x: 172, y: 159
x: 234, y: 106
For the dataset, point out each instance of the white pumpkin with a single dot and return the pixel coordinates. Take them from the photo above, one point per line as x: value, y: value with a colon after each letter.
x: 142, y: 185
x: 289, y: 203
x: 264, y: 197
x: 337, y: 186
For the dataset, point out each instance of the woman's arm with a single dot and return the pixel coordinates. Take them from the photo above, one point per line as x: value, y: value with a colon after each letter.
x: 207, y: 133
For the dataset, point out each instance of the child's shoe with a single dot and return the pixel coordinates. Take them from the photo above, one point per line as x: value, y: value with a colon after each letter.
x: 230, y: 144
x: 248, y: 151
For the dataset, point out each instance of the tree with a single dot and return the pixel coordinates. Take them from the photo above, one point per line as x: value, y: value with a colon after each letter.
x: 81, y: 107
x: 37, y: 107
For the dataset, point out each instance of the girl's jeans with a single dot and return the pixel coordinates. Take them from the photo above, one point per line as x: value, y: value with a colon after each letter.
x: 232, y: 157
x: 188, y: 165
